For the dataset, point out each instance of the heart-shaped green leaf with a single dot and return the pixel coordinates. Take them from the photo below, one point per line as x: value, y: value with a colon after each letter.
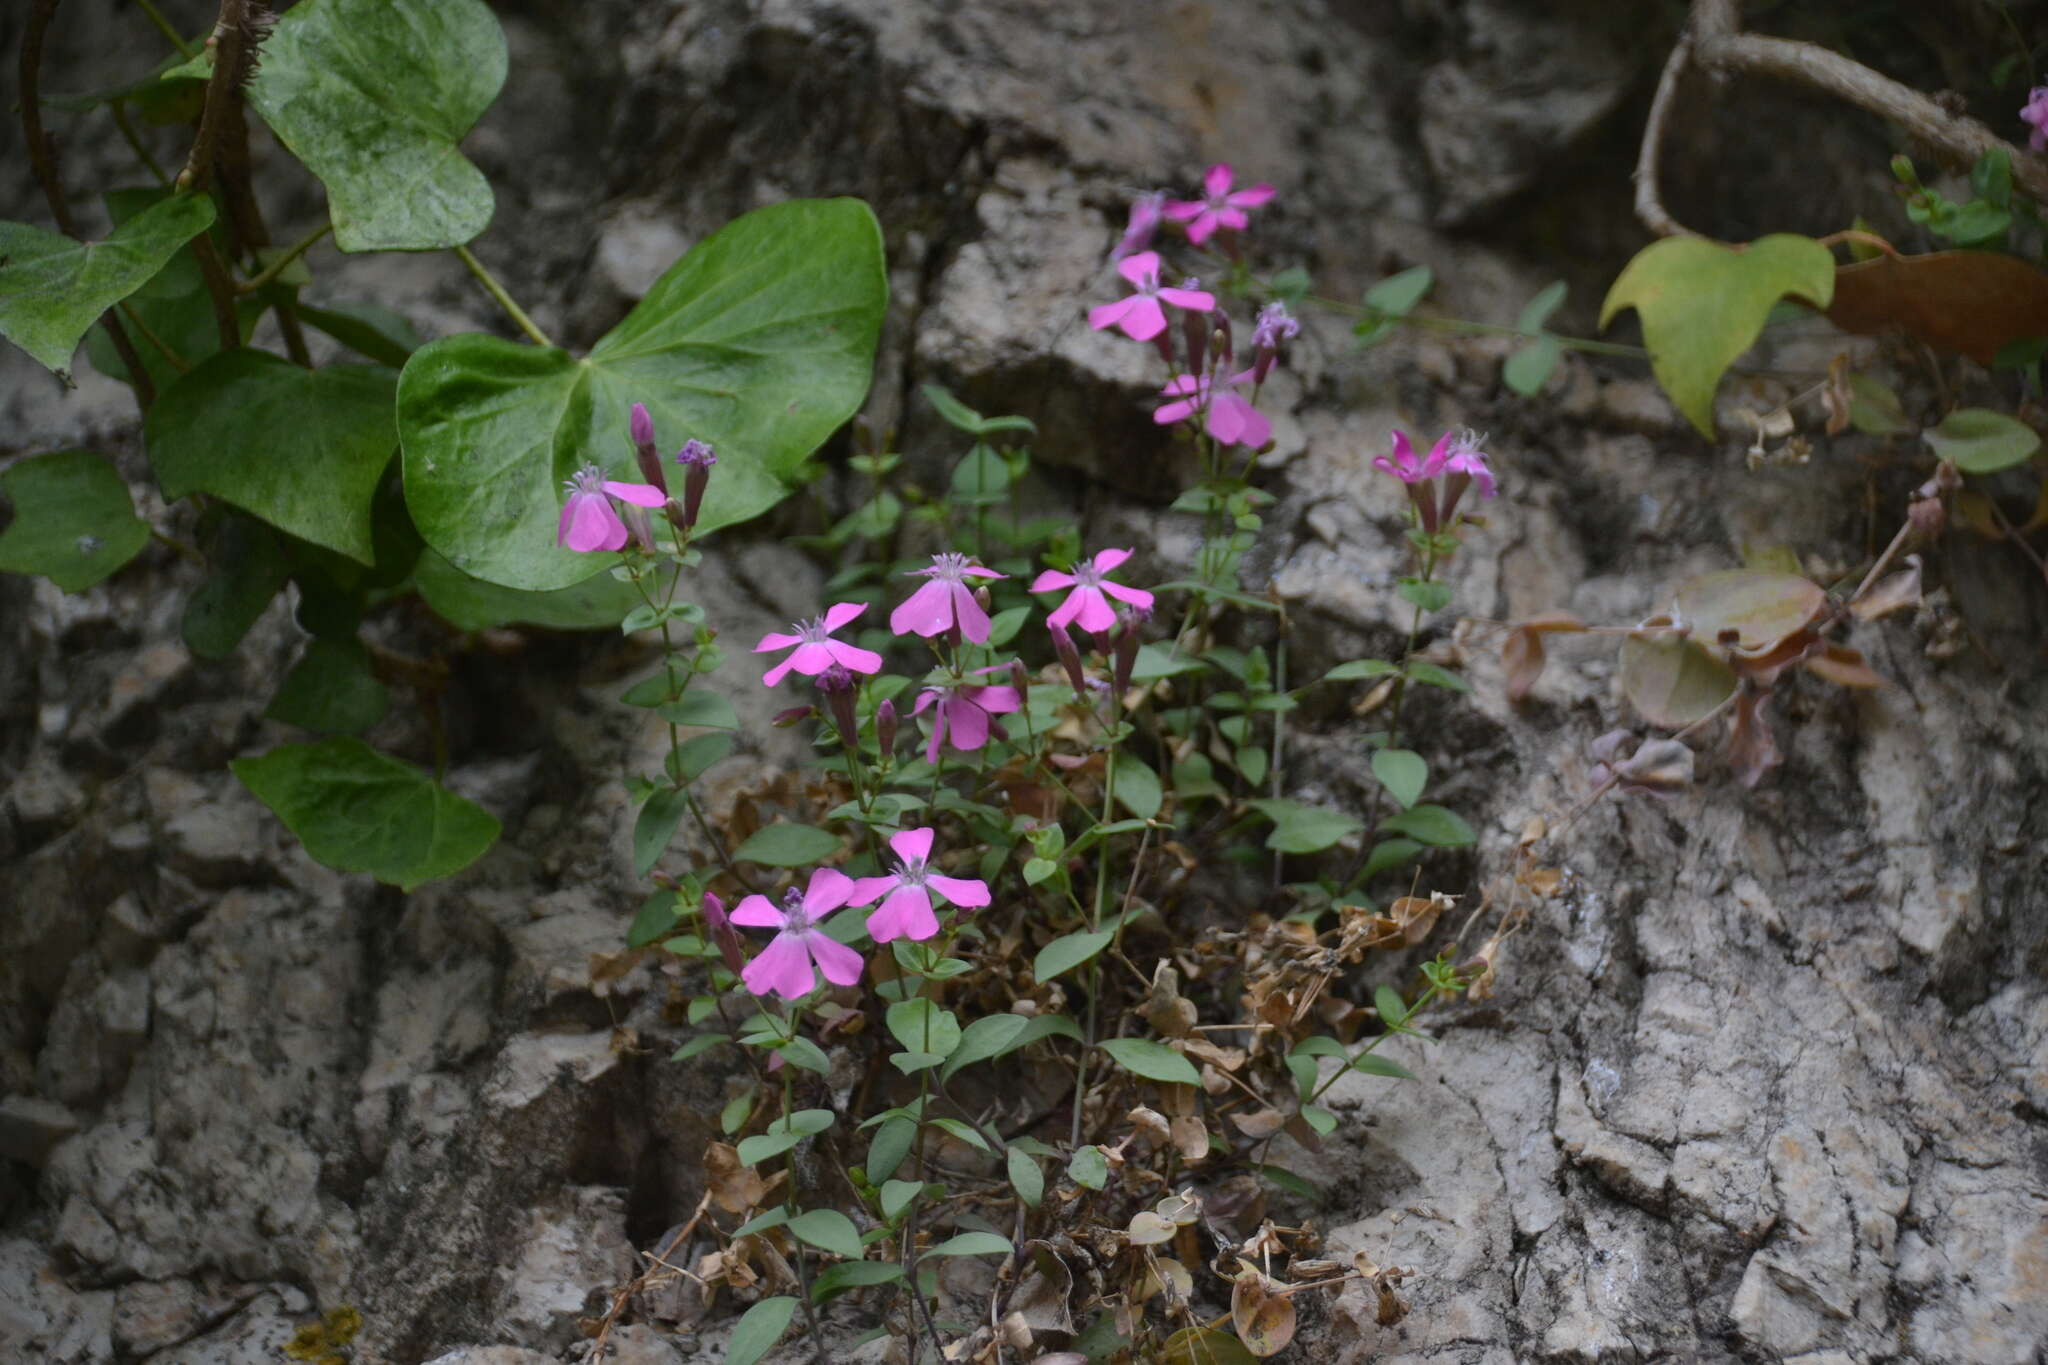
x: 302, y: 449
x: 74, y: 521
x: 1702, y: 304
x: 358, y: 810
x: 52, y: 288
x: 374, y: 95
x: 760, y: 341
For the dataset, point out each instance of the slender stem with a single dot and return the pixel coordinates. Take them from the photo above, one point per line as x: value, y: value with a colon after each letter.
x: 164, y: 27
x: 1649, y: 207
x: 119, y: 109
x: 505, y: 301
x: 220, y: 291
x: 1884, y: 560
x: 171, y: 357
x: 279, y: 264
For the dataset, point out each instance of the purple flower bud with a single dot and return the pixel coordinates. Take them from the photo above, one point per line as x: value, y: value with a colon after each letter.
x: 885, y: 727
x: 782, y: 720
x: 1070, y: 659
x: 723, y: 934
x: 697, y: 459
x: 644, y: 452
x: 1020, y: 679
x: 1273, y: 327
x: 638, y: 526
x: 838, y: 684
x: 1127, y: 646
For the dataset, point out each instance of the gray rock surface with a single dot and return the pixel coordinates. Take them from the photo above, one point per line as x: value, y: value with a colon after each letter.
x: 1765, y: 1081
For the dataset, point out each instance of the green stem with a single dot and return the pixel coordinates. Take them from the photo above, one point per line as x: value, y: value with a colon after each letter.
x: 119, y: 109
x: 163, y: 25
x: 505, y: 301
x: 278, y: 266
x: 1427, y: 995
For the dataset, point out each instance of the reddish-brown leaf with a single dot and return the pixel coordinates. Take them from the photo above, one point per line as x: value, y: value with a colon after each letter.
x: 1752, y: 749
x: 1845, y: 666
x: 1968, y: 301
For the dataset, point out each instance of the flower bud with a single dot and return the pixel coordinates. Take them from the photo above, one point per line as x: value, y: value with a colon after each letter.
x: 638, y: 526
x: 784, y: 719
x: 838, y: 685
x: 723, y: 934
x: 1070, y: 659
x: 885, y: 727
x: 644, y: 452
x: 696, y: 458
x: 1126, y: 650
x: 1020, y: 679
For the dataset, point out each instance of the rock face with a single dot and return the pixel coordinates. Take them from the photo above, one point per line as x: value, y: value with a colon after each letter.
x: 1766, y: 1080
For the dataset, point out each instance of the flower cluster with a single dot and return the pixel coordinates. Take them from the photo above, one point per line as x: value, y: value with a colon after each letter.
x: 590, y: 523
x: 1437, y: 481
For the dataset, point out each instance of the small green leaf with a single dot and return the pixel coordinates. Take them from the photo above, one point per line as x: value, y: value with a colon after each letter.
x: 1361, y: 668
x: 693, y: 757
x: 374, y: 96
x: 369, y: 329
x: 1372, y: 1064
x: 331, y: 688
x: 1530, y: 368
x: 1153, y: 1061
x: 1137, y: 786
x: 1874, y: 409
x: 1423, y: 671
x: 1386, y: 856
x: 468, y: 603
x: 898, y: 1194
x: 1702, y: 304
x: 1536, y: 312
x: 301, y: 449
x: 1392, y: 1008
x: 702, y: 1043
x: 658, y: 914
x: 922, y: 1026
x: 981, y: 477
x: 358, y: 810
x: 53, y: 288
x: 1089, y: 1168
x: 835, y: 1280
x: 1320, y: 1119
x: 1252, y: 761
x: 74, y: 521
x: 655, y: 826
x: 828, y: 1230
x: 1980, y: 441
x: 1426, y: 595
x: 1402, y: 772
x: 1431, y: 825
x: 973, y: 1244
x: 700, y: 706
x: 759, y: 1329
x: 890, y: 1144
x: 1397, y: 295
x: 1064, y: 954
x: 988, y: 1036
x: 1026, y: 1178
x: 1299, y: 828
x: 787, y: 846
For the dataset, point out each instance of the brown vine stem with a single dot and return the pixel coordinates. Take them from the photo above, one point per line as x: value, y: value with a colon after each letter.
x: 1714, y: 42
x: 42, y: 158
x: 222, y: 90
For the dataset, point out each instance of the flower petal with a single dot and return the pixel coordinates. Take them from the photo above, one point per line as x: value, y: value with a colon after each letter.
x: 1107, y: 560
x: 1176, y: 412
x: 1137, y: 597
x: 1180, y: 210
x: 777, y: 641
x: 839, y: 613
x: 907, y: 914
x: 1144, y: 319
x: 1052, y: 580
x: 1096, y: 615
x: 967, y: 723
x: 1217, y: 179
x: 841, y: 965
x: 997, y: 701
x: 593, y: 525
x: 1231, y: 218
x: 828, y: 891
x: 1066, y: 611
x: 974, y: 623
x: 1140, y: 269
x: 783, y: 968
x: 1202, y: 227
x: 758, y: 912
x: 912, y: 845
x: 810, y: 658
x: 639, y: 494
x: 1106, y: 315
x: 856, y: 659
x: 960, y: 890
x: 1251, y: 198
x: 1194, y: 300
x: 868, y: 890
x: 927, y: 611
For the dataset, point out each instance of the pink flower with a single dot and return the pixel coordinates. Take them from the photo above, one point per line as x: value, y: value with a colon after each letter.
x: 2036, y: 115
x: 964, y: 714
x: 589, y: 521
x: 784, y: 966
x: 907, y: 911
x: 1140, y: 315
x: 1086, y: 603
x: 1219, y: 206
x: 1462, y: 455
x: 945, y: 600
x: 815, y: 650
x: 1145, y: 215
x: 1232, y: 419
x: 1406, y: 466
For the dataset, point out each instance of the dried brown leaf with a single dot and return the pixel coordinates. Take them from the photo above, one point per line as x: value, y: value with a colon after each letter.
x: 1897, y: 592
x: 1259, y: 1124
x: 1264, y: 1320
x: 1752, y: 749
x: 1968, y: 301
x: 1844, y: 666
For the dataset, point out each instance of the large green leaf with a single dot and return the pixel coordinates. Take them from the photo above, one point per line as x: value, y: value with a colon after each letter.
x: 598, y: 603
x: 302, y: 449
x: 373, y: 96
x: 52, y: 288
x: 759, y: 341
x: 358, y: 810
x: 74, y: 522
x: 1702, y: 304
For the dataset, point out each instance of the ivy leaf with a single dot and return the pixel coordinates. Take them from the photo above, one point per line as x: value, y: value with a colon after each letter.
x: 301, y: 449
x: 357, y: 810
x: 759, y: 341
x: 74, y: 522
x: 53, y: 288
x: 1702, y: 304
x: 598, y: 603
x: 374, y: 95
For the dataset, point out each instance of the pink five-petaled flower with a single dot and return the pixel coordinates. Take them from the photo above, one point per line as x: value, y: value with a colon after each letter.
x: 1086, y: 604
x: 815, y: 650
x: 964, y: 714
x: 784, y: 966
x: 1219, y: 205
x: 1231, y: 417
x: 1462, y: 455
x: 2036, y: 116
x: 589, y: 521
x: 945, y: 600
x: 1140, y: 315
x: 907, y: 910
x: 1409, y: 467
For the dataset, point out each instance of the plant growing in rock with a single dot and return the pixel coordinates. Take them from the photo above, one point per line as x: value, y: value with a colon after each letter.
x: 759, y: 341
x: 1000, y: 1013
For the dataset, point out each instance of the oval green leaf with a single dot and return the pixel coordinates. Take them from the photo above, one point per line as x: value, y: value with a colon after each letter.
x: 828, y: 1230
x: 1402, y: 772
x: 759, y: 1329
x: 358, y: 810
x: 1068, y: 952
x: 787, y: 846
x: 1153, y: 1061
x: 374, y: 96
x: 1137, y: 786
x: 973, y: 1244
x: 74, y: 521
x: 759, y: 341
x: 1432, y: 825
x: 1980, y: 441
